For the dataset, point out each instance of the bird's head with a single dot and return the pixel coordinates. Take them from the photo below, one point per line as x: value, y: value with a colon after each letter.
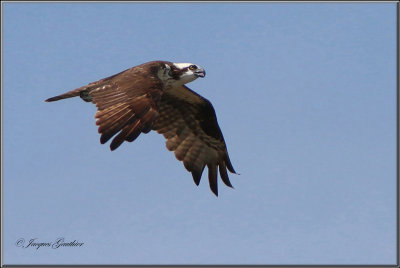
x: 181, y: 73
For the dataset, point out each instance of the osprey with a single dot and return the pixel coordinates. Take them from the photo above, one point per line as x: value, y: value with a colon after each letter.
x: 153, y: 96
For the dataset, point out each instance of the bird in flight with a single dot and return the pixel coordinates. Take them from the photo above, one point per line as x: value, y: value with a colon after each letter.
x: 153, y: 96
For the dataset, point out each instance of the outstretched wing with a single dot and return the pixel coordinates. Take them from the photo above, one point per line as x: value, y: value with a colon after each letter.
x: 189, y: 124
x: 126, y: 102
x: 127, y: 107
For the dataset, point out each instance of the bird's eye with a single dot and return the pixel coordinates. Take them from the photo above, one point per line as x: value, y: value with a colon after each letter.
x: 192, y: 67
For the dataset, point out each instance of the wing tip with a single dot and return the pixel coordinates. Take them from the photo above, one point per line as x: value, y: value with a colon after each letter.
x: 51, y: 99
x: 213, y: 178
x: 216, y: 193
x: 196, y: 174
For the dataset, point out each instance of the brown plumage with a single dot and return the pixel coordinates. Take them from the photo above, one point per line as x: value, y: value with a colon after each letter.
x: 152, y: 96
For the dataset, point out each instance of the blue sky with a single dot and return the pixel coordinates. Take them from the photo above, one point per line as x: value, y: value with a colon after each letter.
x: 305, y: 94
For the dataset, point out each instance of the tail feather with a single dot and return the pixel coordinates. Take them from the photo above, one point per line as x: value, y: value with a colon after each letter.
x: 69, y: 94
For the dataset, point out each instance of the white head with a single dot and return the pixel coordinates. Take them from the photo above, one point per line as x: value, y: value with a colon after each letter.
x: 181, y: 73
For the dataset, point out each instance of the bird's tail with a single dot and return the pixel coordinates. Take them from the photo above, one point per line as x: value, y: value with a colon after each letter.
x: 69, y: 94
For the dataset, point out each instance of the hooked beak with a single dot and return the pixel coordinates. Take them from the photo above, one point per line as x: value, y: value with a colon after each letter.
x: 200, y: 73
